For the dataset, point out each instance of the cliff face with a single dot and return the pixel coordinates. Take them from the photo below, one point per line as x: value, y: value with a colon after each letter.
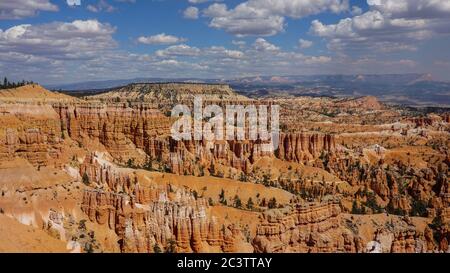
x: 147, y: 218
x: 31, y: 131
x: 309, y: 228
x: 122, y: 129
x: 322, y: 227
x: 302, y: 147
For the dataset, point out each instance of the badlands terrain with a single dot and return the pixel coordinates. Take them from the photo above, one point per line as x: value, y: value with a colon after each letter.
x: 101, y: 173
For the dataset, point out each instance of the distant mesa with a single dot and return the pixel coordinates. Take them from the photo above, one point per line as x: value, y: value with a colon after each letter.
x: 171, y: 92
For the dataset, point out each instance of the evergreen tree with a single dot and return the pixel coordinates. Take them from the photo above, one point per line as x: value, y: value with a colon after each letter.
x: 237, y: 202
x: 243, y: 177
x: 272, y: 203
x: 156, y: 248
x: 250, y: 203
x: 86, y: 179
x: 355, y: 208
x: 171, y: 248
x: 222, y: 199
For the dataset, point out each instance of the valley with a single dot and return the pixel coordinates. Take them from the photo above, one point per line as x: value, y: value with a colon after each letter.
x: 101, y: 173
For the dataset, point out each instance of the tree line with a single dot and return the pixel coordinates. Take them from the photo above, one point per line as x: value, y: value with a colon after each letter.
x: 6, y: 84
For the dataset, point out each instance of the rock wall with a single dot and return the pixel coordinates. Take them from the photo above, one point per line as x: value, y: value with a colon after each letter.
x: 301, y: 147
x: 31, y: 131
x: 121, y: 129
x: 147, y: 218
x: 307, y: 228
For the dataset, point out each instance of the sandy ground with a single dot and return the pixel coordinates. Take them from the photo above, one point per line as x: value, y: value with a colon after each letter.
x: 15, y: 237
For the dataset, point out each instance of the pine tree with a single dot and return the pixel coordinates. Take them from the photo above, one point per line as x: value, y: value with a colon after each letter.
x: 355, y: 208
x: 250, y: 203
x: 222, y: 197
x: 237, y: 202
x: 171, y: 248
x: 272, y: 203
x: 86, y: 179
x: 243, y: 177
x: 156, y: 248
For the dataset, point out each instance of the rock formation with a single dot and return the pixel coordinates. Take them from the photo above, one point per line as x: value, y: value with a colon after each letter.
x: 147, y: 216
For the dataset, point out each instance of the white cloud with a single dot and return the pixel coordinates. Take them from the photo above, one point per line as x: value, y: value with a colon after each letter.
x: 220, y: 51
x: 202, y: 1
x: 261, y: 44
x: 191, y: 13
x: 239, y: 43
x: 77, y: 39
x: 160, y: 39
x: 412, y: 8
x: 102, y: 5
x: 387, y: 26
x: 178, y: 50
x: 266, y: 17
x: 317, y: 59
x: 243, y: 21
x: 18, y: 9
x: 356, y: 10
x: 73, y: 3
x: 305, y: 43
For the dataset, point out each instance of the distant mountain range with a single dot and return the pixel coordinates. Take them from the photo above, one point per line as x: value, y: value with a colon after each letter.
x: 406, y: 89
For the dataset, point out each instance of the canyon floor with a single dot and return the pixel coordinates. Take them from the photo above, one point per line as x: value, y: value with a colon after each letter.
x: 102, y: 173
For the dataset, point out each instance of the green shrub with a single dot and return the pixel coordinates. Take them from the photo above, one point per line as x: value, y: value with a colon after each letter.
x: 272, y: 203
x: 86, y: 179
x: 419, y: 208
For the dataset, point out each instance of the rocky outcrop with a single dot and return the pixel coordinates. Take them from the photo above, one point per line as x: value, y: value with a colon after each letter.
x: 150, y: 218
x: 409, y: 241
x: 308, y: 228
x: 121, y: 129
x: 29, y: 130
x: 301, y: 147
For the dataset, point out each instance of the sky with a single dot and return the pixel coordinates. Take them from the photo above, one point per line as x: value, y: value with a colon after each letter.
x: 67, y: 41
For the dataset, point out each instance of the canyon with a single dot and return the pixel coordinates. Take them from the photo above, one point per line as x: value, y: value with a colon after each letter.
x: 101, y: 173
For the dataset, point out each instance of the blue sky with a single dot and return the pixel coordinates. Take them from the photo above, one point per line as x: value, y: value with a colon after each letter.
x: 49, y: 41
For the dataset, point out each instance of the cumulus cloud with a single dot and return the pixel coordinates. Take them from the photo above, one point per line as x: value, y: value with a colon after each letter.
x: 178, y: 50
x: 261, y: 44
x: 160, y: 39
x: 222, y: 52
x: 239, y: 43
x: 191, y: 13
x: 52, y: 50
x: 77, y: 39
x: 101, y: 5
x: 85, y: 49
x: 356, y: 10
x: 387, y: 26
x: 202, y: 1
x: 266, y: 17
x: 18, y: 9
x: 412, y: 8
x: 305, y: 43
